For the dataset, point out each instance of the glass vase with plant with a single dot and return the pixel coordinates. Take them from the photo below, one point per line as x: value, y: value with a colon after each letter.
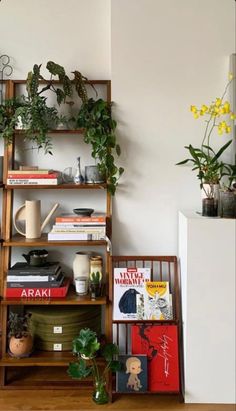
x: 208, y: 164
x: 86, y: 346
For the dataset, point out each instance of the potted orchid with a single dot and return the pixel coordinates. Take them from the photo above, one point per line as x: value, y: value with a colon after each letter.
x: 208, y: 164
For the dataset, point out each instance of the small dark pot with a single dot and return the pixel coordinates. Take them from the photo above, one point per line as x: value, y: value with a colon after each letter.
x: 95, y: 290
x: 228, y: 204
x: 209, y: 207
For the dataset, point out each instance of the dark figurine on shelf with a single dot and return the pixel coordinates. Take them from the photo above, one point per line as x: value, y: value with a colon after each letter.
x: 78, y: 178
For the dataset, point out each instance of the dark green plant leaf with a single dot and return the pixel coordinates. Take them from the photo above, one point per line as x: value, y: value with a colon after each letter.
x: 79, y: 369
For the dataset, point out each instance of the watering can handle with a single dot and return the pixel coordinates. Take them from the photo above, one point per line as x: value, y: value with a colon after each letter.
x: 15, y: 219
x: 49, y: 216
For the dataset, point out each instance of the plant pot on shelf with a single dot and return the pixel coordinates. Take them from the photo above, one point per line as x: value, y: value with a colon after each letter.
x: 21, y: 347
x: 228, y: 204
x: 100, y: 395
x: 209, y: 207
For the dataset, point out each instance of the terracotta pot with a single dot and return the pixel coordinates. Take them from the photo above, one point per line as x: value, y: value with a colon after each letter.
x: 21, y: 347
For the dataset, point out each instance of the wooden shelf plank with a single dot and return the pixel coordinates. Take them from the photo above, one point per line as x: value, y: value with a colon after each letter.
x: 20, y: 241
x: 137, y: 322
x: 71, y: 299
x: 105, y: 82
x: 41, y: 358
x: 59, y: 186
x: 56, y: 131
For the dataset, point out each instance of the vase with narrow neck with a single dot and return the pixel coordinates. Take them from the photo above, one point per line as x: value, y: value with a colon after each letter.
x: 100, y: 395
x: 78, y: 178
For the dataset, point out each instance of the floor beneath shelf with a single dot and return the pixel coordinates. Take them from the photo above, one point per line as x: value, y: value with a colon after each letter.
x: 74, y: 399
x: 70, y: 401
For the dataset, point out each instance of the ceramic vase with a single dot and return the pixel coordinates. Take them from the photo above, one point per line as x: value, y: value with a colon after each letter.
x: 81, y: 265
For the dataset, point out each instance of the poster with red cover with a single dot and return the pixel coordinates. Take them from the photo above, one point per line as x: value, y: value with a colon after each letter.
x: 160, y: 344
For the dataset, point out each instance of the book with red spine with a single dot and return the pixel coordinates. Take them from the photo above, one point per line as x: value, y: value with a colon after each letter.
x: 99, y: 218
x: 160, y: 344
x: 39, y: 292
x: 32, y: 175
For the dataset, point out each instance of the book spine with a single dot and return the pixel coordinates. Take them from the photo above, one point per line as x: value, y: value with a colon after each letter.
x: 32, y: 176
x: 29, y: 278
x: 80, y: 219
x: 75, y: 236
x: 32, y: 181
x: 30, y: 170
x: 48, y: 273
x: 79, y: 224
x: 32, y: 284
x: 84, y: 230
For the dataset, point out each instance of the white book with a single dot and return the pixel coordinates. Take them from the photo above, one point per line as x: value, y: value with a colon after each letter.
x: 32, y: 181
x: 127, y: 284
x: 86, y: 230
x: 75, y: 236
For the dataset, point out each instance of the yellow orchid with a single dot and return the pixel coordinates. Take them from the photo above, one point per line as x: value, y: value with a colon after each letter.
x: 218, y: 102
x: 193, y: 109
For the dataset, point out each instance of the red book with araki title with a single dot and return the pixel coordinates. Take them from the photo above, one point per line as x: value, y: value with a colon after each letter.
x: 39, y: 292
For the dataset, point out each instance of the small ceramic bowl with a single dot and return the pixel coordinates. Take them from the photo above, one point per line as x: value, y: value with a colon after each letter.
x: 84, y: 212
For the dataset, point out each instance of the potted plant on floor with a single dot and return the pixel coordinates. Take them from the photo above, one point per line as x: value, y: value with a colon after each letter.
x: 20, y: 339
x: 86, y: 346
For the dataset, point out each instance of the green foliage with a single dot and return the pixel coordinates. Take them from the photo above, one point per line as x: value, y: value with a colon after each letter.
x: 86, y: 346
x: 209, y: 168
x: 95, y: 117
x: 18, y: 325
x: 95, y: 277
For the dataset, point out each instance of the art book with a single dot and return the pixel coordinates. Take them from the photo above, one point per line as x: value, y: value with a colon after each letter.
x: 133, y: 374
x: 160, y: 344
x: 157, y: 301
x: 127, y: 284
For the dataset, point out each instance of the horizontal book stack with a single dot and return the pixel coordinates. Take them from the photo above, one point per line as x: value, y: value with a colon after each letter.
x: 71, y: 227
x: 25, y: 281
x: 33, y: 177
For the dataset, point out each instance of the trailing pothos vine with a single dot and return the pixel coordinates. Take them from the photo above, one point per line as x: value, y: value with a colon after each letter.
x: 37, y: 118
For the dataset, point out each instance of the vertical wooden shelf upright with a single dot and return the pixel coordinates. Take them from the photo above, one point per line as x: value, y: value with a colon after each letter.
x: 40, y: 360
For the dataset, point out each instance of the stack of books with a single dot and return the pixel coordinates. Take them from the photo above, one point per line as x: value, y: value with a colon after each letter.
x: 26, y: 281
x: 71, y: 227
x: 33, y: 177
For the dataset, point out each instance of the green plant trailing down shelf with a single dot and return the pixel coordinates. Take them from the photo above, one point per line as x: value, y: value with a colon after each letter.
x: 86, y: 346
x: 37, y: 118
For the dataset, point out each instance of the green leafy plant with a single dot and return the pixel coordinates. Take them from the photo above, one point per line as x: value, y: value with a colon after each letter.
x: 209, y: 168
x: 86, y: 346
x: 95, y: 277
x: 95, y: 117
x: 18, y: 325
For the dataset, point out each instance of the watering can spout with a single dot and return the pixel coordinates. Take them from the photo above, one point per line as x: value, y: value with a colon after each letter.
x: 54, y: 208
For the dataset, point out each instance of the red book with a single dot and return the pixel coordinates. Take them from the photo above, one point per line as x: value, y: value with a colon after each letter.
x: 160, y: 344
x: 73, y: 219
x: 32, y: 175
x: 44, y: 292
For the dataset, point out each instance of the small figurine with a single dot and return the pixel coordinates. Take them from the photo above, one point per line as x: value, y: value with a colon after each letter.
x: 78, y: 178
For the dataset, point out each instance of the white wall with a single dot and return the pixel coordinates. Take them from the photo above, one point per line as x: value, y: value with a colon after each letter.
x: 166, y: 55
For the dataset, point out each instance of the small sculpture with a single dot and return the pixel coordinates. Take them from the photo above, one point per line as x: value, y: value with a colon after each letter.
x: 78, y: 178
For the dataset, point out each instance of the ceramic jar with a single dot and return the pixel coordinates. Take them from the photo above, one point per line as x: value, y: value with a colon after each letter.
x: 81, y: 265
x: 96, y: 266
x: 21, y: 347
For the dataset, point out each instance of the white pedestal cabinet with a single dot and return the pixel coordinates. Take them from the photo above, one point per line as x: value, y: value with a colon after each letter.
x: 207, y: 250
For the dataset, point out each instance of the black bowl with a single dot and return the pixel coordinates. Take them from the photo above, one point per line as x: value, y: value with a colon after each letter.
x: 83, y: 212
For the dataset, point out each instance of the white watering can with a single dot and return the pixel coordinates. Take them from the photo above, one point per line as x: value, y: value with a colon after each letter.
x: 31, y: 213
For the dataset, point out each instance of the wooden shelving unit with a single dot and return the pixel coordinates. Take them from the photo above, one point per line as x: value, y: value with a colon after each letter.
x: 14, y: 371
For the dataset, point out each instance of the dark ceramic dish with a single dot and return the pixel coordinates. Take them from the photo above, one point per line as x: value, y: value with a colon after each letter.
x: 84, y: 212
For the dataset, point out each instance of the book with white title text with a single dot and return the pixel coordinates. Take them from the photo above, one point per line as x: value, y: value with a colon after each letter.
x: 127, y: 284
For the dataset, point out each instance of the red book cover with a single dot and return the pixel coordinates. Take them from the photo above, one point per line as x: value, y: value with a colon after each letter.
x: 42, y: 292
x: 160, y: 344
x: 36, y: 176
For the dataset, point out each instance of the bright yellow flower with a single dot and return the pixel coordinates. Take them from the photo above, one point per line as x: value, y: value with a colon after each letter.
x: 228, y: 129
x: 193, y: 109
x: 230, y: 76
x: 204, y: 108
x: 196, y: 115
x: 226, y: 107
x: 220, y: 131
x: 218, y: 102
x: 232, y: 116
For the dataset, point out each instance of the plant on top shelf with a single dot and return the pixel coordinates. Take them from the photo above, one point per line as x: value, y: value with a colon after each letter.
x: 86, y: 346
x: 95, y: 116
x: 210, y: 168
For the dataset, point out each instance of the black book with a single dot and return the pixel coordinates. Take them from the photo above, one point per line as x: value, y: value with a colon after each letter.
x: 37, y: 284
x: 22, y: 268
